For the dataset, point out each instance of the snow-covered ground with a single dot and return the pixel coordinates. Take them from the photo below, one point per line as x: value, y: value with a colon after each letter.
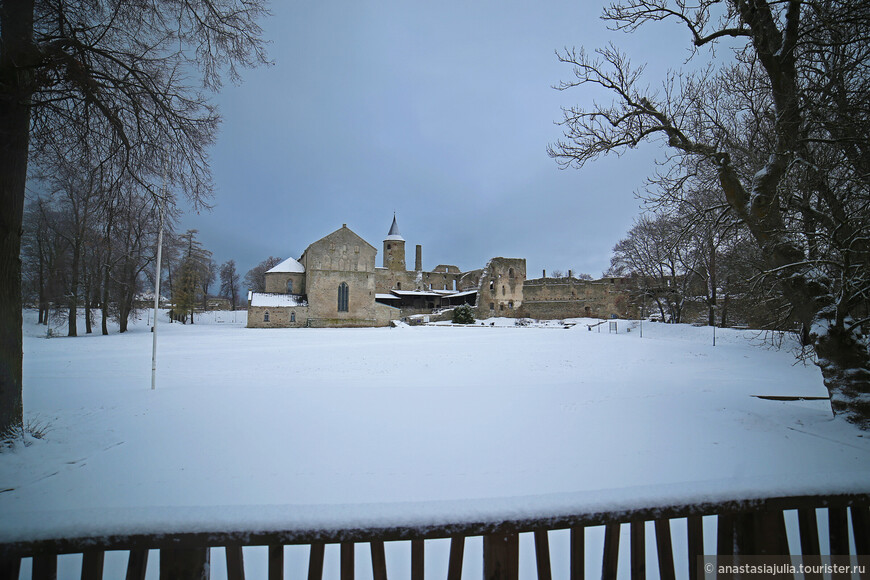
x: 253, y: 428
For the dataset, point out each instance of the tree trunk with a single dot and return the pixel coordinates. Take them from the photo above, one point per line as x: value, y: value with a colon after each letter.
x: 711, y: 282
x: 16, y: 47
x: 107, y: 269
x: 74, y: 289
x: 43, y: 310
x: 87, y: 294
x: 845, y: 365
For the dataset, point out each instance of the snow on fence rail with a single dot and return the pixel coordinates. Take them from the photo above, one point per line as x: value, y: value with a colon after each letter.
x: 743, y: 526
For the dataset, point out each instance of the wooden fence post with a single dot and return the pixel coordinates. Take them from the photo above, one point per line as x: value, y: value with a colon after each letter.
x: 188, y: 563
x: 501, y: 557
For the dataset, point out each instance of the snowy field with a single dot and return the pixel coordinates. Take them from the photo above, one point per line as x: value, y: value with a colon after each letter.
x: 253, y: 428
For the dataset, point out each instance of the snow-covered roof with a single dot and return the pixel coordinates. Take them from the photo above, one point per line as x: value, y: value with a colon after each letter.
x: 288, y: 265
x: 413, y: 293
x: 394, y: 234
x: 386, y: 297
x: 466, y: 293
x: 274, y: 300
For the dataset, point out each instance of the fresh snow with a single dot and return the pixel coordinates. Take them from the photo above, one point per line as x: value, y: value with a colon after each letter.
x: 294, y: 428
x: 272, y: 299
x: 288, y: 265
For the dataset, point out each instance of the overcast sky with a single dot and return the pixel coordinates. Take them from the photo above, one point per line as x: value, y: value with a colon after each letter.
x: 440, y: 112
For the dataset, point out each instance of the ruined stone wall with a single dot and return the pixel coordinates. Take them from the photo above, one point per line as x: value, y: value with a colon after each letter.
x: 500, y: 291
x: 556, y: 298
x: 386, y: 280
x: 440, y: 281
x: 469, y: 280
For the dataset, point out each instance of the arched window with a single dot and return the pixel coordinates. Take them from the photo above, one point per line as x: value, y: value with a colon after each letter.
x: 266, y: 316
x: 289, y: 286
x: 342, y: 297
x: 502, y: 291
x: 398, y: 285
x: 292, y: 317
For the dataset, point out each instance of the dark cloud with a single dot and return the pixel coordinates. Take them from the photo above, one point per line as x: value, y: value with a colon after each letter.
x: 441, y: 112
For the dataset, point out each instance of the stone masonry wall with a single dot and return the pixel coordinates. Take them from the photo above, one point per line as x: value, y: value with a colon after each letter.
x: 500, y: 292
x: 276, y: 282
x: 568, y: 298
x: 279, y: 317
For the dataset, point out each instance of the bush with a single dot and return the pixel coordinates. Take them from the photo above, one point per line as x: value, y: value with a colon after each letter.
x: 463, y: 314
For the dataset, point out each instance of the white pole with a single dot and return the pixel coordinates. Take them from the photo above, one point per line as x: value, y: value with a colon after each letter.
x: 157, y: 297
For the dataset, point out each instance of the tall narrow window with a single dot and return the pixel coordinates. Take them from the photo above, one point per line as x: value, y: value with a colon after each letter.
x: 266, y: 316
x: 342, y: 297
x: 289, y: 286
x: 510, y: 272
x: 292, y: 317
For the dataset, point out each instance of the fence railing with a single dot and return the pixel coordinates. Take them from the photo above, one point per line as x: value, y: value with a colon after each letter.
x: 743, y: 527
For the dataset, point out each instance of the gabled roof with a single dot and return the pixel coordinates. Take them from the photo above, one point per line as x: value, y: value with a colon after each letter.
x: 288, y: 265
x: 394, y: 232
x: 325, y: 239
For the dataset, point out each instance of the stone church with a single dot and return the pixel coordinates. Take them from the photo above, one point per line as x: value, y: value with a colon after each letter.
x: 336, y: 283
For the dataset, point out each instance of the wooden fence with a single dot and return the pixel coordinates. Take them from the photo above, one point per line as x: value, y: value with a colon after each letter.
x: 756, y: 527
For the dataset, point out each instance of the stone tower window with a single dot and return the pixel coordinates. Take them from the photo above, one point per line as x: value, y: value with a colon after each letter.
x: 292, y: 317
x: 389, y: 246
x: 398, y: 285
x: 266, y: 316
x: 342, y: 297
x: 511, y: 304
x: 502, y: 291
x: 289, y: 286
x: 510, y: 273
x: 492, y: 306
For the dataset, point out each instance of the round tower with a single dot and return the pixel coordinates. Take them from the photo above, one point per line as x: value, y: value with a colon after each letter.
x: 394, y: 249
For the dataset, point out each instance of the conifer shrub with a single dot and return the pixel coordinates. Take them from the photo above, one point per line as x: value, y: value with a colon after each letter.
x: 463, y: 314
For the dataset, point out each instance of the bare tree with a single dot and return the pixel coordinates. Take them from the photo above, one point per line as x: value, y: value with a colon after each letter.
x: 255, y: 279
x: 43, y: 254
x: 230, y: 283
x: 783, y: 126
x: 209, y: 275
x: 116, y: 75
x: 662, y: 258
